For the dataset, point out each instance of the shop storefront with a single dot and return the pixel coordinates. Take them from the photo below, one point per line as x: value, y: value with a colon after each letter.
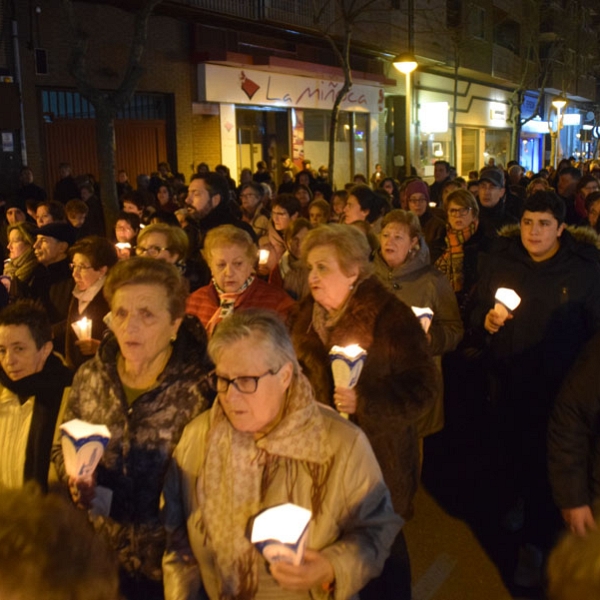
x: 265, y: 115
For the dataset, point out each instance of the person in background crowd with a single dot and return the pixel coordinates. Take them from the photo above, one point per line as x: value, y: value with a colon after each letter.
x: 306, y: 178
x: 224, y: 171
x: 287, y: 183
x: 359, y: 179
x: 377, y: 177
x: 338, y: 204
x: 252, y: 199
x: 473, y: 187
x: 319, y: 212
x: 291, y: 274
x: 135, y: 203
x: 28, y: 190
x: 390, y: 185
x: 91, y: 259
x: 231, y: 255
x: 537, y: 184
x: 32, y: 383
x: 587, y: 185
x: 123, y: 185
x: 557, y: 278
x: 51, y: 282
x: 50, y: 211
x: 144, y: 385
x: 566, y: 186
x: 592, y: 206
x: 433, y: 227
x: 202, y: 169
x: 313, y: 459
x: 127, y: 228
x: 304, y: 195
x: 322, y: 184
x: 166, y: 198
x: 170, y: 244
x: 287, y: 164
x: 365, y: 205
x: 447, y: 187
x: 496, y: 208
x: 14, y: 212
x: 95, y: 218
x: 66, y: 187
x: 286, y: 208
x: 77, y: 211
x: 402, y: 265
x: 398, y: 382
x: 441, y: 174
x: 262, y: 174
x: 21, y: 261
x: 47, y: 550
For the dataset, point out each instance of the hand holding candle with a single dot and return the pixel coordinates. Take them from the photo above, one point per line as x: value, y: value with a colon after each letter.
x: 83, y: 328
x: 507, y: 300
x: 425, y: 316
x: 346, y: 366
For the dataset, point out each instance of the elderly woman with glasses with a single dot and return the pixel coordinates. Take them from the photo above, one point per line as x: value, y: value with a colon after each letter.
x: 232, y: 256
x: 265, y: 442
x: 144, y: 384
x: 91, y: 259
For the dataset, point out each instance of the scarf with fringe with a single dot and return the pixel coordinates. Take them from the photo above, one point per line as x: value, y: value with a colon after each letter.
x: 227, y: 302
x: 451, y: 261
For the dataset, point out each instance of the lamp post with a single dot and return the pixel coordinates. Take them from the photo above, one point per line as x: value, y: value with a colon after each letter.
x: 559, y: 103
x: 406, y: 63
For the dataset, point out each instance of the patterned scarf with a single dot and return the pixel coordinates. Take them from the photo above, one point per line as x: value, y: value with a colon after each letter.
x: 226, y: 303
x: 451, y: 262
x: 238, y: 471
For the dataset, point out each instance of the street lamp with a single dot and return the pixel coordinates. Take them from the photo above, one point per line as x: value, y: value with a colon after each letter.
x: 406, y: 63
x: 559, y: 103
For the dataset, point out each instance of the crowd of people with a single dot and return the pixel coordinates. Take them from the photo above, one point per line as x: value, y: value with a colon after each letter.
x: 213, y: 311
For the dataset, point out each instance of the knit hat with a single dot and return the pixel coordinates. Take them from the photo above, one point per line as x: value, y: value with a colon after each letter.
x: 63, y: 232
x: 493, y: 175
x: 417, y: 187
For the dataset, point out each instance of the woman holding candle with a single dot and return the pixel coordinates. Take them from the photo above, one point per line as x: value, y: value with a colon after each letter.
x: 402, y: 265
x: 91, y: 259
x: 399, y: 380
x: 144, y: 384
x: 266, y: 442
x: 232, y: 255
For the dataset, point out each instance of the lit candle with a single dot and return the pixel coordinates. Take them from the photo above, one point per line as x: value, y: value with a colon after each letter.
x: 123, y: 246
x: 83, y: 328
x: 506, y: 302
x: 425, y: 316
x: 346, y: 366
x: 263, y: 256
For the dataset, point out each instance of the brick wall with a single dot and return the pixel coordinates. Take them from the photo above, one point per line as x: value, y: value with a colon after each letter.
x: 206, y: 141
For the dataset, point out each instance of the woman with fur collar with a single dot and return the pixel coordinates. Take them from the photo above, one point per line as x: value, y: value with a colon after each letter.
x: 399, y: 380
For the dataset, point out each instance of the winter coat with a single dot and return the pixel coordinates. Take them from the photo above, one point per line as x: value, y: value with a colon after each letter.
x: 354, y: 531
x: 398, y: 383
x: 416, y: 283
x: 574, y: 433
x: 143, y: 437
x: 434, y: 230
x: 558, y: 313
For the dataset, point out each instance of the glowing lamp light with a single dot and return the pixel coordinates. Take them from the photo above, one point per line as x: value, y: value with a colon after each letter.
x: 559, y: 102
x: 507, y: 301
x: 405, y: 63
x: 83, y: 329
x: 280, y: 533
x: 263, y: 256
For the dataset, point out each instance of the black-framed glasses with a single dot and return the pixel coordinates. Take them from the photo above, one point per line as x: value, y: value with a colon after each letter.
x: 75, y: 267
x: 152, y: 251
x: 459, y: 212
x: 246, y: 384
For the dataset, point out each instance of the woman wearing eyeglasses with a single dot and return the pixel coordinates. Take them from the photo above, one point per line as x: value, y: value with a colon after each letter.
x: 91, y: 258
x: 265, y: 442
x: 144, y: 384
x: 462, y: 244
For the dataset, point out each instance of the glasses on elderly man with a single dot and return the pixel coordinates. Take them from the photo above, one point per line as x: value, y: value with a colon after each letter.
x: 459, y: 212
x: 151, y: 251
x: 246, y: 384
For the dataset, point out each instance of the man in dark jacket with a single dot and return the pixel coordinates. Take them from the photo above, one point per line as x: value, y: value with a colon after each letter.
x: 65, y: 189
x: 558, y: 280
x: 496, y: 207
x: 574, y: 442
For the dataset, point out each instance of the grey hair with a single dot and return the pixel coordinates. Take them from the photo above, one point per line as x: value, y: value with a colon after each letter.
x: 260, y: 326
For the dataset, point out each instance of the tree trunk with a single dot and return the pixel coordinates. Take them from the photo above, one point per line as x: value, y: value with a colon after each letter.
x: 106, y: 148
x: 335, y: 114
x: 516, y: 128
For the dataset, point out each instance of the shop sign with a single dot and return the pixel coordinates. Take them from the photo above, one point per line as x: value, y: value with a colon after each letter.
x: 433, y: 117
x: 497, y: 112
x: 263, y: 88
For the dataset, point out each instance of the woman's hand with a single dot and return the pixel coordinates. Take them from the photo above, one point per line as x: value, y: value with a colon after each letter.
x: 580, y: 520
x: 345, y: 400
x: 82, y: 492
x: 494, y: 321
x: 88, y: 347
x: 314, y: 571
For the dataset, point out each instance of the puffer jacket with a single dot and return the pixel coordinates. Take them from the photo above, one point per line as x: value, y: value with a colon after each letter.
x: 143, y: 437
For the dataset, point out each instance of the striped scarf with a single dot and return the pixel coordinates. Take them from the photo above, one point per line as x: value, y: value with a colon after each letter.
x: 451, y: 261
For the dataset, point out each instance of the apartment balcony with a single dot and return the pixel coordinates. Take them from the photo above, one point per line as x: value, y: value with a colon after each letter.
x: 505, y: 64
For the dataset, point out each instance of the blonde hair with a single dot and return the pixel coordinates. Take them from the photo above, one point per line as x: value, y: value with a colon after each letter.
x: 177, y: 239
x: 465, y: 199
x: 229, y: 235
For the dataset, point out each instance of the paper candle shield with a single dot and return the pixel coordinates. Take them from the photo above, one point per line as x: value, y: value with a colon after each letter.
x: 506, y: 301
x: 83, y: 446
x: 280, y: 533
x: 263, y: 256
x: 347, y: 364
x: 425, y: 316
x: 83, y: 328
